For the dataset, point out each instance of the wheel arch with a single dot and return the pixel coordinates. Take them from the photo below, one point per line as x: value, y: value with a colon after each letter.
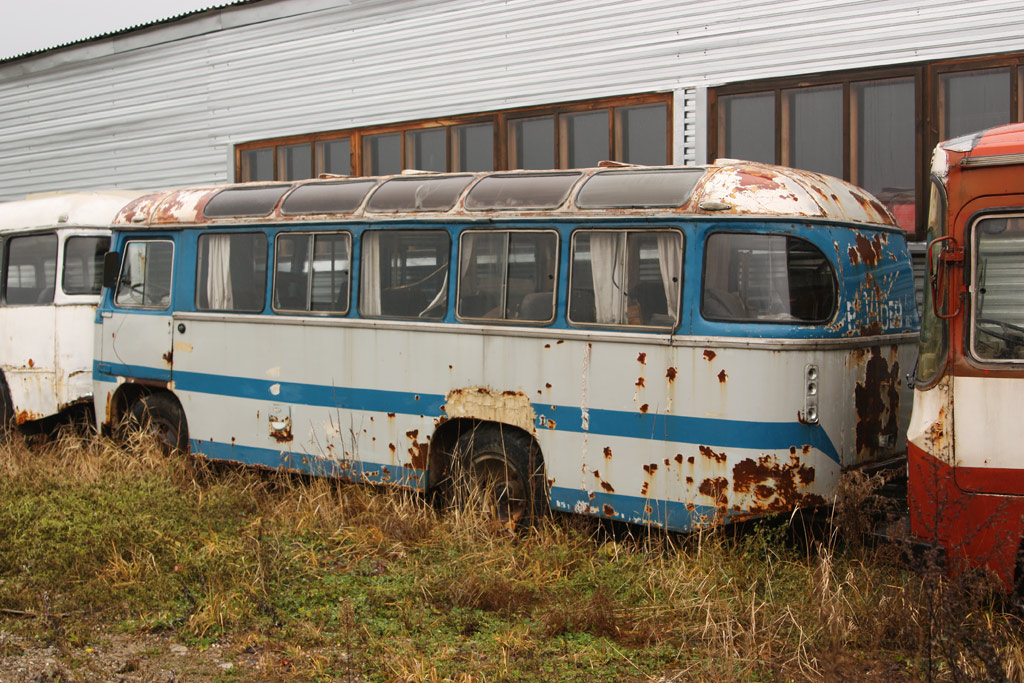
x: 446, y: 437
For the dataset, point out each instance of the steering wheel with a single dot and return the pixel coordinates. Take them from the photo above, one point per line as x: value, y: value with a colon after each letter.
x: 1002, y: 327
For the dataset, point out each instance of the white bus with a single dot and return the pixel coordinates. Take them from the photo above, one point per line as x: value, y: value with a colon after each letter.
x: 52, y: 248
x: 672, y: 346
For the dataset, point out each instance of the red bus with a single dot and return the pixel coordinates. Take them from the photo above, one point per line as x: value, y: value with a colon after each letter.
x: 966, y: 476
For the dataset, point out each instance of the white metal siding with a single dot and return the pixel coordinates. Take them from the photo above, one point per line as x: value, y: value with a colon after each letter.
x: 162, y: 106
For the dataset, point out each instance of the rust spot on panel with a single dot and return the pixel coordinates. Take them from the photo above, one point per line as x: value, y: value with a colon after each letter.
x: 641, y: 358
x: 756, y: 178
x: 870, y: 330
x: 679, y: 458
x: 689, y: 481
x: 590, y: 495
x: 412, y: 434
x: 547, y: 346
x: 709, y: 355
x: 652, y: 468
x: 690, y: 460
x: 792, y: 450
x: 722, y: 377
x: 776, y: 485
x: 711, y: 455
x: 609, y: 510
x: 715, y: 488
x: 666, y: 462
x: 419, y: 453
x: 282, y: 435
x: 607, y: 487
x: 391, y: 415
x: 867, y: 251
x: 560, y: 341
x: 596, y: 473
x: 608, y: 452
x: 644, y: 408
x: 877, y: 401
x: 806, y: 448
x: 643, y: 489
x: 671, y: 374
x: 31, y: 363
x: 169, y: 357
x: 547, y: 385
x: 639, y: 382
x: 550, y: 424
x: 24, y: 416
x: 391, y: 447
x: 691, y: 507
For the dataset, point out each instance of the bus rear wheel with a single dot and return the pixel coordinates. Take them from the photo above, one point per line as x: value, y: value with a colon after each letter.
x: 161, y: 417
x: 503, y: 473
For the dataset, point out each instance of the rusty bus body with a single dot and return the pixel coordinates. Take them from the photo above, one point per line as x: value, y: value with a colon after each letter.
x: 52, y: 248
x: 966, y: 483
x: 672, y: 346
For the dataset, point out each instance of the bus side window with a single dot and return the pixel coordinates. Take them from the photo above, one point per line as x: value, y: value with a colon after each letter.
x: 145, y: 280
x: 83, y: 264
x: 630, y: 277
x: 311, y: 272
x: 404, y: 274
x: 766, y: 278
x: 232, y: 272
x: 31, y: 269
x: 507, y: 275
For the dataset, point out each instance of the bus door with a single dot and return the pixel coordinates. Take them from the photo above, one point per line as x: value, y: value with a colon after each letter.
x: 28, y: 346
x: 987, y: 388
x: 135, y: 337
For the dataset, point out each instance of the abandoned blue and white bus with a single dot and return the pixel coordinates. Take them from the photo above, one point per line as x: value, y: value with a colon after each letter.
x: 673, y: 346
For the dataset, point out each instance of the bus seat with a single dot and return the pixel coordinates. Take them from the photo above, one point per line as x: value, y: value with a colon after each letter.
x: 651, y: 297
x: 723, y: 305
x: 536, y: 306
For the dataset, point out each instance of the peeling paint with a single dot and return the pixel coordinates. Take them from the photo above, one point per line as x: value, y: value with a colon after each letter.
x: 482, y: 403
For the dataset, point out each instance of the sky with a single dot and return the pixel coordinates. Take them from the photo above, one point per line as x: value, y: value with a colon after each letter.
x: 29, y: 25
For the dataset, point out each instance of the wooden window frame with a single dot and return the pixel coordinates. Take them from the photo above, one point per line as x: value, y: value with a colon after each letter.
x: 499, y: 120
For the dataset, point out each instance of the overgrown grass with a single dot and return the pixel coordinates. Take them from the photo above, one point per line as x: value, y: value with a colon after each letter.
x: 321, y: 580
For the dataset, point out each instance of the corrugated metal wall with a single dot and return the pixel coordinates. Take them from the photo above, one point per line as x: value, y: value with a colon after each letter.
x: 163, y: 106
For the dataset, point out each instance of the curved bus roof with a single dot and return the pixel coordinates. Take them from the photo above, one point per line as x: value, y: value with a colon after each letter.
x: 725, y: 188
x: 64, y: 209
x: 999, y: 146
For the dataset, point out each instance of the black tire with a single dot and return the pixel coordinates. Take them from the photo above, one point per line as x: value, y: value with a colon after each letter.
x: 505, y: 468
x: 6, y: 407
x: 161, y: 416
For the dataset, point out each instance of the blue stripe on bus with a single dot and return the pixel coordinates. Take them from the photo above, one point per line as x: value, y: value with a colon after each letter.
x: 718, y: 432
x: 109, y: 372
x: 666, y: 514
x: 353, y: 470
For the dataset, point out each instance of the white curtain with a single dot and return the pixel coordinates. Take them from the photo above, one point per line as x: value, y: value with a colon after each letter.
x: 670, y: 259
x: 369, y: 277
x: 218, y: 279
x: 606, y: 267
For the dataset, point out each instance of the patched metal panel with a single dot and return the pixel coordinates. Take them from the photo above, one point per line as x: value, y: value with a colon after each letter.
x: 164, y: 105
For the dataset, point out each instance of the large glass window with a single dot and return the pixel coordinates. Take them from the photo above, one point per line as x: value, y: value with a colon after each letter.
x: 83, y: 264
x: 334, y: 157
x: 31, y: 271
x: 382, y: 154
x: 626, y: 277
x: 145, y: 278
x: 998, y: 292
x: 766, y: 278
x: 231, y: 272
x: 584, y: 138
x: 256, y: 164
x: 473, y: 147
x: 311, y: 272
x: 641, y: 133
x: 747, y: 127
x: 814, y: 120
x: 884, y: 133
x: 296, y: 162
x: 507, y: 275
x: 932, y: 349
x: 427, y: 150
x: 404, y: 274
x: 532, y: 142
x: 972, y: 101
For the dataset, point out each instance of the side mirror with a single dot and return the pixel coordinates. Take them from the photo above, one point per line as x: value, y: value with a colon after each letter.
x: 945, y: 293
x: 111, y: 267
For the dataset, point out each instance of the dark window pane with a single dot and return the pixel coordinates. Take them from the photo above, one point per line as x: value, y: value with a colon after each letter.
x: 974, y: 101
x: 334, y: 156
x: 626, y: 278
x: 885, y: 150
x: 642, y: 134
x: 244, y: 201
x: 998, y: 274
x: 748, y: 127
x: 766, y: 278
x: 508, y: 276
x: 327, y: 197
x: 31, y: 269
x: 418, y: 194
x: 628, y: 189
x: 427, y: 149
x: 816, y: 129
x: 296, y: 162
x: 382, y: 154
x: 327, y: 256
x: 83, y: 264
x: 532, y: 142
x: 585, y: 138
x: 506, y: 192
x: 257, y: 164
x: 145, y: 279
x: 473, y: 147
x: 231, y: 274
x: 404, y: 274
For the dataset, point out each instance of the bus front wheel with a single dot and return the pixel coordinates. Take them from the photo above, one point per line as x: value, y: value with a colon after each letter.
x: 503, y: 473
x: 161, y: 417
